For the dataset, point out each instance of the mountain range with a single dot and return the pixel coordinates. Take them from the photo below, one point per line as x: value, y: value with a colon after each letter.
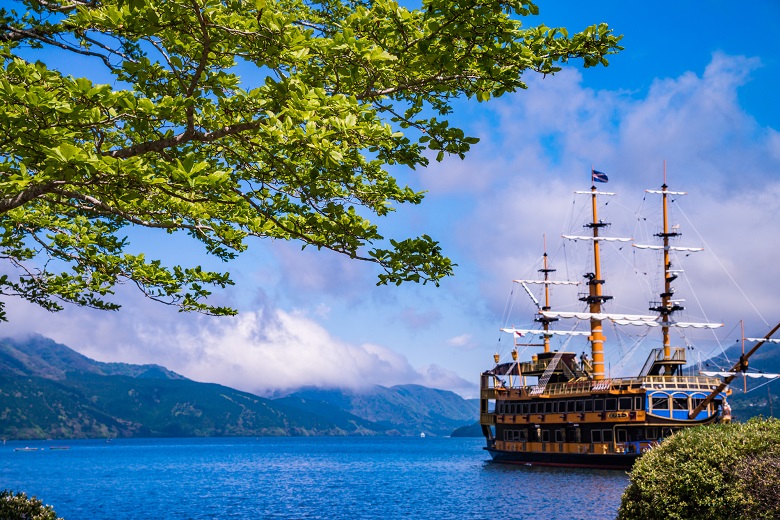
x: 48, y: 390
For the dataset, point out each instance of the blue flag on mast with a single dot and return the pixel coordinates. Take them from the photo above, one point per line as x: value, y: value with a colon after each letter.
x: 599, y: 176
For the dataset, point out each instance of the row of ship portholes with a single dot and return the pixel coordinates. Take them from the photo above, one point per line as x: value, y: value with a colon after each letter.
x: 659, y: 401
x: 575, y: 434
x: 609, y: 404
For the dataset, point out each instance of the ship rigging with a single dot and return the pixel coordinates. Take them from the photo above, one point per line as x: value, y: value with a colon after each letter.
x: 574, y: 413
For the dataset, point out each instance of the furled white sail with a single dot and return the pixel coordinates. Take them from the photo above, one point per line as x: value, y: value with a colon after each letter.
x: 667, y: 192
x: 670, y: 248
x: 522, y: 332
x: 678, y: 324
x: 598, y: 316
x: 686, y: 325
x: 547, y: 282
x: 763, y: 339
x: 629, y: 319
x: 754, y: 375
x: 607, y: 193
x: 598, y: 239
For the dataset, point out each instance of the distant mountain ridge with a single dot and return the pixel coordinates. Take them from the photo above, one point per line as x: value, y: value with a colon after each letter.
x: 47, y: 390
x: 43, y: 357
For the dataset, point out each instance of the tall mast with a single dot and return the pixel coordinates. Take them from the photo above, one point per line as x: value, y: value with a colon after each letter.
x: 666, y: 296
x: 546, y: 321
x: 667, y: 306
x: 543, y: 315
x: 670, y: 362
x: 595, y: 298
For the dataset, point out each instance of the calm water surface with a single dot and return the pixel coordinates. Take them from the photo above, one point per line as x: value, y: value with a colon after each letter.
x: 291, y: 478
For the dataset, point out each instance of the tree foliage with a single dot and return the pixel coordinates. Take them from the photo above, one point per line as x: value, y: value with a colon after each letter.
x: 230, y: 119
x: 20, y: 507
x: 710, y: 472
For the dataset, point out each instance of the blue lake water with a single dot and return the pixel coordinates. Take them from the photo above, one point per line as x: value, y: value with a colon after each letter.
x: 291, y: 478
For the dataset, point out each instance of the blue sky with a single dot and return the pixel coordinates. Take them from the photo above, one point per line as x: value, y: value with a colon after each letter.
x: 695, y: 87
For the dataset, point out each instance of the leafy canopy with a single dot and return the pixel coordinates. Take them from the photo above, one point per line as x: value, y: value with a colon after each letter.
x: 230, y: 119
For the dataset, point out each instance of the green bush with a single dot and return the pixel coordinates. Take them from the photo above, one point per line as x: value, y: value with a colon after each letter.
x: 715, y: 472
x: 20, y: 507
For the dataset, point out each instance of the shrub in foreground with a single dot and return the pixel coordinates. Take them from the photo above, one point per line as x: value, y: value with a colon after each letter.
x: 19, y: 507
x: 715, y: 472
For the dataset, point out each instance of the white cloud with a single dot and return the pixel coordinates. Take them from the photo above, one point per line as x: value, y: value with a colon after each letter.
x: 463, y: 340
x: 549, y: 136
x: 268, y: 351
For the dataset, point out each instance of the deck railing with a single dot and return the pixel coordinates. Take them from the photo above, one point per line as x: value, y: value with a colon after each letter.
x: 582, y: 387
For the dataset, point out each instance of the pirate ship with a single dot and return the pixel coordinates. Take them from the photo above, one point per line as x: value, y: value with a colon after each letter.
x: 557, y: 410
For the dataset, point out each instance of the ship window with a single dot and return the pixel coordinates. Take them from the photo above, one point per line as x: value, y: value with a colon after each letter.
x: 680, y: 403
x: 622, y: 436
x: 524, y: 408
x: 545, y: 435
x: 578, y: 406
x: 555, y: 406
x: 598, y: 405
x: 651, y: 433
x: 559, y: 435
x: 595, y: 436
x: 535, y: 434
x: 548, y: 407
x: 660, y: 403
x: 589, y: 405
x: 638, y: 403
x: 624, y: 403
x: 611, y: 404
x: 569, y: 406
x: 533, y: 407
x: 606, y: 435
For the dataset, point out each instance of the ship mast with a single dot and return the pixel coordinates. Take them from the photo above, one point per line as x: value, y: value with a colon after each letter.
x: 595, y: 297
x: 667, y: 307
x: 543, y: 319
x: 669, y: 361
